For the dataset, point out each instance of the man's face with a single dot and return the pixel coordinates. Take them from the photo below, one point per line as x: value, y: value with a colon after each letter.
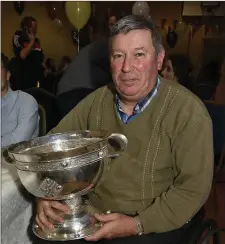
x: 4, y: 77
x: 33, y: 28
x: 134, y: 64
x: 112, y: 21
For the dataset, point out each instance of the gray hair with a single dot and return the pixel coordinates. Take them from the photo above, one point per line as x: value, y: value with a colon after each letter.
x: 137, y: 22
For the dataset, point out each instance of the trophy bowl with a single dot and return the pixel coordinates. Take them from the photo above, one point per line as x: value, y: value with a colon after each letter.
x: 65, y: 167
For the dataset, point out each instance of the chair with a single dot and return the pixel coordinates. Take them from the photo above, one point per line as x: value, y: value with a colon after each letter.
x: 204, y: 91
x: 42, y: 121
x: 198, y: 232
x: 68, y: 100
x: 48, y: 102
x: 217, y: 113
x: 199, y: 228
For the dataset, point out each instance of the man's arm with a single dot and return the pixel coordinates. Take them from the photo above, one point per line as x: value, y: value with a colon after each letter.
x: 193, y: 154
x: 28, y: 119
x: 19, y: 49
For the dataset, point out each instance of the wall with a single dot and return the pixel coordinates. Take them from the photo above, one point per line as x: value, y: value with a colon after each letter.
x: 170, y: 11
x: 55, y: 41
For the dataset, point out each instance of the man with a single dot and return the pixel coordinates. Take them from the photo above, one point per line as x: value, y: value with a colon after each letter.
x: 112, y: 21
x: 163, y: 178
x: 20, y: 119
x: 89, y: 70
x: 29, y: 54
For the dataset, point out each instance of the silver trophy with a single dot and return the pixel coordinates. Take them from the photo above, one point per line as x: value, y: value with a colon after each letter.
x: 64, y: 167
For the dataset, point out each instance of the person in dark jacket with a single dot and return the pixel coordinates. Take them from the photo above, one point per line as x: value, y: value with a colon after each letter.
x: 29, y: 54
x: 90, y: 69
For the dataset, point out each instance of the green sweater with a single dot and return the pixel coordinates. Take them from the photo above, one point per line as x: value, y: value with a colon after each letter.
x: 165, y: 174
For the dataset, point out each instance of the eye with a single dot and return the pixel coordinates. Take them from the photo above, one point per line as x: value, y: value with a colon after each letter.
x: 140, y: 54
x: 117, y: 56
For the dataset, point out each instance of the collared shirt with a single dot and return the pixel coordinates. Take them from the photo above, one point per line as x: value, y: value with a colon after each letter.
x: 20, y: 119
x: 139, y: 107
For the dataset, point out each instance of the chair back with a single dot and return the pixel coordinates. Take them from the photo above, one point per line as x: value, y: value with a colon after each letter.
x: 42, y: 121
x: 204, y: 91
x: 68, y: 100
x: 48, y: 101
x: 217, y: 113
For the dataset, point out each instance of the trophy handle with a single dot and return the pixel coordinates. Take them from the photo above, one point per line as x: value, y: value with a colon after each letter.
x: 117, y: 143
x: 6, y: 156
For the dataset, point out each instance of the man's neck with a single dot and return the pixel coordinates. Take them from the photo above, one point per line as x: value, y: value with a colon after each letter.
x: 128, y: 106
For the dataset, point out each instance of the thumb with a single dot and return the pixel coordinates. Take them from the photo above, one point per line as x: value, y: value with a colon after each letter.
x: 106, y: 217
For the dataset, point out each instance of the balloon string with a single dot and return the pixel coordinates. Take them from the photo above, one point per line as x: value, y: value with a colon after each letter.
x: 78, y: 41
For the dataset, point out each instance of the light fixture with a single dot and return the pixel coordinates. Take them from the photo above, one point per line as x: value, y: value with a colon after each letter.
x: 209, y: 8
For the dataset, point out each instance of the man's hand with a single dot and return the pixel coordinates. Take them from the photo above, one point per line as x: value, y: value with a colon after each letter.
x: 31, y: 38
x: 48, y: 212
x: 114, y: 226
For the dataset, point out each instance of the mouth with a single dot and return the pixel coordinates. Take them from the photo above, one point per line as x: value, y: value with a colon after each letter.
x: 129, y: 82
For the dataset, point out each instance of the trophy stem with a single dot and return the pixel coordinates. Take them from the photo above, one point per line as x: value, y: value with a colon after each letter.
x: 75, y: 204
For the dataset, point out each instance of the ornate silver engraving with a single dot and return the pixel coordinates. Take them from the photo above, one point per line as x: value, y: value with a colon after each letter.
x: 50, y: 188
x: 78, y: 161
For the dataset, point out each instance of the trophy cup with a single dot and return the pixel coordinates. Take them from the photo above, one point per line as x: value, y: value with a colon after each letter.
x: 63, y: 167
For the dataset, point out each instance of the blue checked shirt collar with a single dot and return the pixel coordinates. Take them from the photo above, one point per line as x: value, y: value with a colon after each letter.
x: 139, y: 107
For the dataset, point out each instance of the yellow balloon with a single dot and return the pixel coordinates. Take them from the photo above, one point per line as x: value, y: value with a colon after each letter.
x: 78, y: 13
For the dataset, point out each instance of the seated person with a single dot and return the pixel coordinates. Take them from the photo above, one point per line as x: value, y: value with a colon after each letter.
x: 177, y: 68
x: 20, y: 119
x: 164, y: 176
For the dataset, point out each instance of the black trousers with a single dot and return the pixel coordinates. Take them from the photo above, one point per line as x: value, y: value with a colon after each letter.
x: 171, y: 237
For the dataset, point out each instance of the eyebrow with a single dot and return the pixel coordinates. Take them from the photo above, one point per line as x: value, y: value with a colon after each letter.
x: 140, y: 48
x: 136, y: 49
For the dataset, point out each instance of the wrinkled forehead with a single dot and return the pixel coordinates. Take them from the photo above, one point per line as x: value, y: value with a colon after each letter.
x: 134, y: 39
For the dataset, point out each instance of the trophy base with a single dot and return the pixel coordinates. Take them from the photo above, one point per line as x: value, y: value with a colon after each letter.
x: 65, y: 234
x: 74, y: 226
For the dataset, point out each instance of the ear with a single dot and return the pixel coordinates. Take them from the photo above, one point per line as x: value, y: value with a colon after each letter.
x: 8, y: 75
x: 160, y: 58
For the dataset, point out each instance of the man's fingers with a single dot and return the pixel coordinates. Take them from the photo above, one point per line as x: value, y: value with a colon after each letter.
x: 49, y: 212
x: 39, y: 223
x: 44, y: 221
x: 59, y: 206
x: 106, y: 217
x: 93, y: 220
x: 100, y: 234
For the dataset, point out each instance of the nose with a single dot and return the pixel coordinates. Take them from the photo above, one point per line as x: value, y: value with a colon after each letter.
x: 127, y: 65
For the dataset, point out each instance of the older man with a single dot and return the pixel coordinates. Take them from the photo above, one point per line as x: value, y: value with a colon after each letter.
x: 163, y: 178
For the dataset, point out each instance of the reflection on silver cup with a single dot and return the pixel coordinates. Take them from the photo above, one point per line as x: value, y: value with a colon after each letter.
x: 65, y: 167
